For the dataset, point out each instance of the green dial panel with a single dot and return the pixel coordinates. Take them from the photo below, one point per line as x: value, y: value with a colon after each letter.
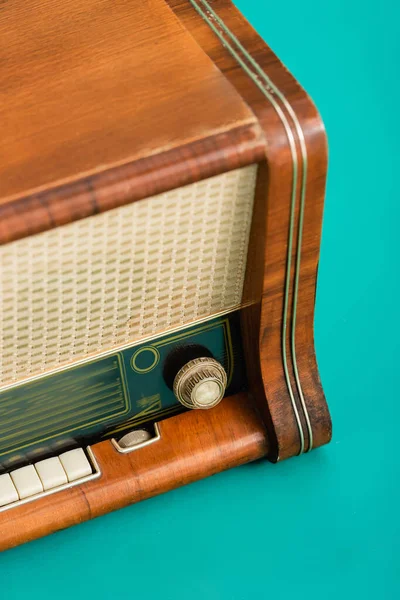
x: 110, y: 394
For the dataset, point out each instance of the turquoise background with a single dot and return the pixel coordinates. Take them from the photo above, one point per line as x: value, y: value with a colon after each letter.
x: 326, y: 524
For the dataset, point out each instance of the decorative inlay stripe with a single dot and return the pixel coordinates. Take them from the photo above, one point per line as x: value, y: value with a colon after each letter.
x: 269, y: 89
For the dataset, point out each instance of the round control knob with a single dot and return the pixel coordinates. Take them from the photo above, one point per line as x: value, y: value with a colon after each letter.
x: 200, y: 383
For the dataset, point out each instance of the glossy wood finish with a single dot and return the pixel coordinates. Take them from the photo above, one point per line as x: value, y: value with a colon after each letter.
x: 192, y: 445
x: 267, y: 260
x: 198, y: 443
x: 108, y: 189
x: 88, y: 88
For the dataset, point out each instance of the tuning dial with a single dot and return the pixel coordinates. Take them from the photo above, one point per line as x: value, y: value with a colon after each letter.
x: 200, y: 383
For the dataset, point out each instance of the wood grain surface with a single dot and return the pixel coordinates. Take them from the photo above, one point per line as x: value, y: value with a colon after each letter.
x: 198, y: 113
x: 88, y: 87
x: 128, y: 183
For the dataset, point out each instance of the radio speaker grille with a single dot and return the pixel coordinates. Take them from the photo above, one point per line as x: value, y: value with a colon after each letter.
x: 123, y: 275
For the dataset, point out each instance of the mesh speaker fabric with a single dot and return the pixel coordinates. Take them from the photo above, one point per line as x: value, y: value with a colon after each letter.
x: 129, y: 273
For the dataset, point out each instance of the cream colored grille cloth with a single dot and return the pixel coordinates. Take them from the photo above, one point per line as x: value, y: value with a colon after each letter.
x: 119, y: 276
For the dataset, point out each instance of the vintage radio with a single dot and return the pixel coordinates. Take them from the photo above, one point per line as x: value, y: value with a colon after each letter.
x: 161, y: 191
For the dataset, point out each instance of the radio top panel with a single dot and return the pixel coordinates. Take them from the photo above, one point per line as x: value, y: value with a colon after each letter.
x: 103, y: 90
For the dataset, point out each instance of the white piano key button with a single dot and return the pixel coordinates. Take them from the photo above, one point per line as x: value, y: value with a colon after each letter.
x: 27, y: 481
x: 8, y: 493
x: 51, y: 473
x: 75, y: 464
